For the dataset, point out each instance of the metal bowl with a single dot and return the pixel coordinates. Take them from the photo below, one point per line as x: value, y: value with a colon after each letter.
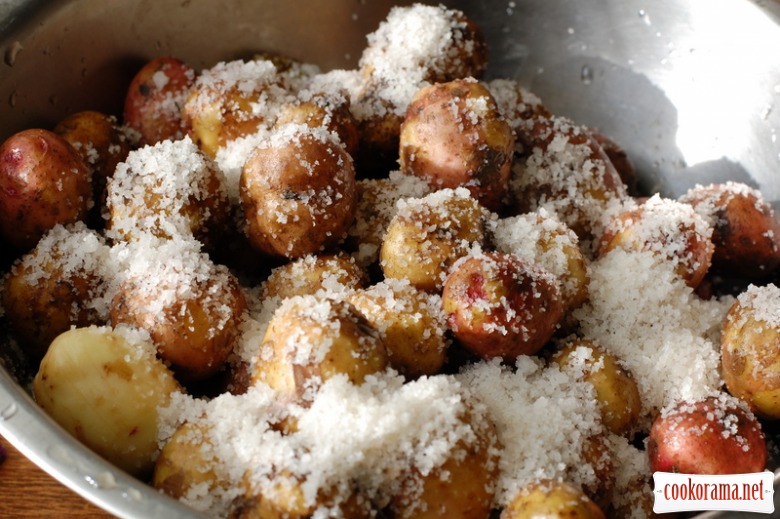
x: 690, y: 89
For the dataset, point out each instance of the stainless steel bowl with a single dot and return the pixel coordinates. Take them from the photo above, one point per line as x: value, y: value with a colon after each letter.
x: 690, y: 88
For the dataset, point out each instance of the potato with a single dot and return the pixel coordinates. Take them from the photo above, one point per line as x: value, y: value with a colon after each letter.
x: 460, y: 488
x: 231, y: 100
x: 426, y: 236
x: 333, y: 273
x: 616, y: 390
x: 106, y: 387
x: 520, y: 108
x: 322, y: 111
x: 433, y: 43
x: 715, y: 435
x: 101, y: 144
x: 187, y: 462
x: 453, y: 136
x: 298, y: 193
x: 311, y: 339
x: 541, y: 238
x: 749, y: 350
x: 550, y: 499
x: 285, y: 499
x: 43, y: 182
x: 411, y: 322
x: 190, y: 307
x: 498, y: 305
x: 59, y: 284
x: 667, y: 228
x: 169, y: 190
x: 155, y: 97
x: 619, y: 158
x: 746, y: 232
x: 567, y: 173
x: 414, y: 46
x: 597, y: 453
x: 375, y: 209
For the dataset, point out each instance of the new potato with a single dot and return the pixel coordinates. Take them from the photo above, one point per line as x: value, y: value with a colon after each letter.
x: 106, y: 387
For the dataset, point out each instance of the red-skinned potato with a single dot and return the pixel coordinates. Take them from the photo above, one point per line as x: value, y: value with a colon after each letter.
x: 716, y: 435
x: 155, y: 98
x: 498, y: 305
x: 670, y: 229
x: 746, y: 233
x: 43, y: 182
x: 453, y: 136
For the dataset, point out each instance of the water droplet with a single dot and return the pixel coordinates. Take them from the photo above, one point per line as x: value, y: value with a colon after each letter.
x: 59, y: 453
x: 133, y: 495
x: 12, y: 98
x: 645, y: 17
x: 766, y: 112
x: 8, y: 412
x: 12, y: 52
x: 586, y: 75
x: 570, y: 30
x: 104, y: 480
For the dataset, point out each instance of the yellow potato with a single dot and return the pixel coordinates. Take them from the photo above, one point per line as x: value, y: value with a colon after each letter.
x: 313, y: 273
x: 187, y: 462
x: 551, y: 500
x: 411, y: 322
x: 231, y: 100
x: 311, y: 339
x: 190, y: 307
x: 749, y: 352
x: 169, y: 190
x: 298, y: 192
x: 460, y: 488
x: 427, y: 235
x: 616, y: 390
x: 59, y: 284
x: 285, y: 499
x: 106, y: 387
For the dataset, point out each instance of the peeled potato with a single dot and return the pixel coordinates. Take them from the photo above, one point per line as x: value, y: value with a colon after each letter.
x: 106, y: 387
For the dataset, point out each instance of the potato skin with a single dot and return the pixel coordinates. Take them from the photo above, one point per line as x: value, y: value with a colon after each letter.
x: 460, y: 488
x: 715, y: 435
x: 498, y: 305
x: 551, y: 500
x: 746, y: 232
x: 53, y: 287
x: 411, y: 322
x: 313, y: 339
x: 106, y: 389
x: 453, y: 136
x: 101, y: 144
x: 196, y: 331
x: 43, y: 182
x: 616, y: 390
x: 749, y: 351
x: 667, y: 228
x: 427, y: 236
x: 155, y: 97
x: 185, y: 461
x: 298, y: 195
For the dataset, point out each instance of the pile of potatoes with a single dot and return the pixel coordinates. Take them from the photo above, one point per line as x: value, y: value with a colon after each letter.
x: 409, y: 214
